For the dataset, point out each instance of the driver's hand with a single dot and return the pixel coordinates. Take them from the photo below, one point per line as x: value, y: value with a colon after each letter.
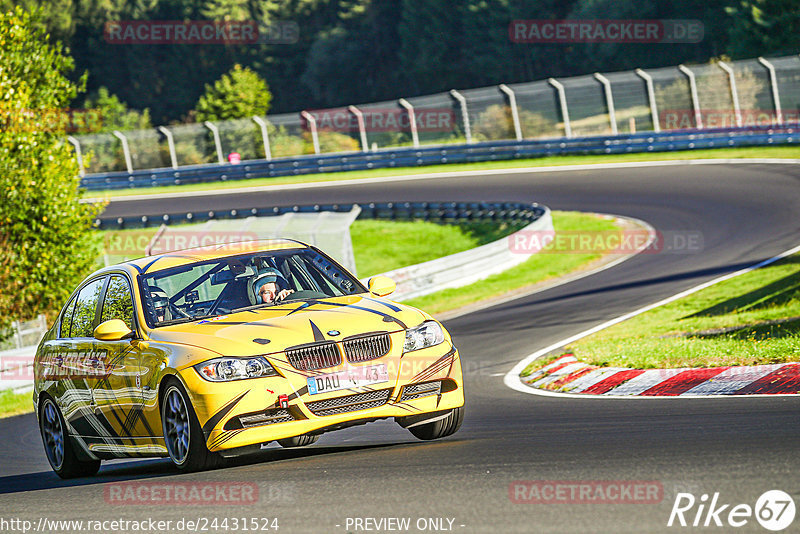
x: 283, y: 294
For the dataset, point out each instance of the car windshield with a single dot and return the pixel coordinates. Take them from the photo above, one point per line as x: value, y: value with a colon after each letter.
x: 217, y: 287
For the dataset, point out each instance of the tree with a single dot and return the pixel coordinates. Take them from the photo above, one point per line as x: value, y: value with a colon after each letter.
x: 106, y: 113
x: 56, y: 18
x: 358, y: 60
x: 45, y: 231
x: 238, y: 94
x: 762, y: 27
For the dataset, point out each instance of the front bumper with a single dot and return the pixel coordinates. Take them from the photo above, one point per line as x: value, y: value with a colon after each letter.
x: 249, y: 412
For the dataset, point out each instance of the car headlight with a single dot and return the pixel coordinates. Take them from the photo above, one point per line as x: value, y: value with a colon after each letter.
x: 227, y: 369
x: 425, y: 335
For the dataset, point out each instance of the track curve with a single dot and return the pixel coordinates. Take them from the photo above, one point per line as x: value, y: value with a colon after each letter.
x: 740, y: 448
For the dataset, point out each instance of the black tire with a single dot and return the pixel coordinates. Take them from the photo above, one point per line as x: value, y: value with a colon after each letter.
x: 58, y: 446
x: 298, y: 441
x: 183, y: 436
x: 441, y: 428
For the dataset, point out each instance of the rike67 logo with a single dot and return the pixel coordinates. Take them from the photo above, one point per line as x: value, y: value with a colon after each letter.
x: 774, y: 510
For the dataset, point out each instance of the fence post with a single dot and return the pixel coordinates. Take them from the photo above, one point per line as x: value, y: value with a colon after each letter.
x: 775, y: 96
x: 562, y: 98
x: 612, y: 115
x: 412, y: 120
x: 651, y: 97
x: 126, y: 151
x: 173, y: 156
x: 698, y: 117
x: 512, y: 102
x: 264, y: 136
x: 464, y: 113
x: 312, y: 124
x: 74, y: 142
x: 217, y: 143
x: 361, y: 128
x: 737, y: 112
x: 16, y: 326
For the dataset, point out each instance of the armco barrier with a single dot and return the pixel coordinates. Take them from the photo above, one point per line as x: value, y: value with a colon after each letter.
x: 433, y: 155
x: 441, y: 212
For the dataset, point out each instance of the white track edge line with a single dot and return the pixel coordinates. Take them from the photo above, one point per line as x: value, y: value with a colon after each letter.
x: 512, y: 380
x: 450, y: 174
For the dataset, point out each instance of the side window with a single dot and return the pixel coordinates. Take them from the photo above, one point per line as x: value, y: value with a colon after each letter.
x: 118, y: 303
x: 66, y: 318
x: 85, y: 307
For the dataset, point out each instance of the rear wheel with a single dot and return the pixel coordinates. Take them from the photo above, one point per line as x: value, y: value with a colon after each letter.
x: 182, y: 433
x: 59, y: 447
x: 298, y: 441
x: 443, y: 427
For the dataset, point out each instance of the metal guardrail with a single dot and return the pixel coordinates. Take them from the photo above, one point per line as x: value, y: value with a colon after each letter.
x: 432, y: 155
x: 442, y: 212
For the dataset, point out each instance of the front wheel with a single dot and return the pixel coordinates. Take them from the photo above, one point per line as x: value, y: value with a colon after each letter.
x: 57, y: 444
x: 182, y: 433
x: 443, y: 427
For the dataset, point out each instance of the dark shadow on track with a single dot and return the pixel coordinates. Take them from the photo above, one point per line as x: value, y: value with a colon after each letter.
x: 688, y: 275
x: 162, y: 467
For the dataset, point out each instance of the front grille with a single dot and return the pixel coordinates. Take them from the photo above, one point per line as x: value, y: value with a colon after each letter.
x: 349, y: 403
x: 315, y: 356
x: 366, y: 347
x: 268, y: 417
x: 424, y: 389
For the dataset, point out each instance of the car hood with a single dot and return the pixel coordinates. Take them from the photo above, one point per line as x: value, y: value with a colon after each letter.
x: 274, y: 328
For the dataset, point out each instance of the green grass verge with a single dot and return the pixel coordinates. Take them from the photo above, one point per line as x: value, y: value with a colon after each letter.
x: 15, y: 403
x: 381, y: 246
x: 748, y: 320
x: 745, y: 152
x: 537, y: 268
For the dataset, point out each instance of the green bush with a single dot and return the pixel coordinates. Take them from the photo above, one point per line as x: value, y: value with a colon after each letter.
x: 282, y: 144
x: 331, y: 142
x: 497, y: 123
x: 45, y: 232
x: 238, y: 94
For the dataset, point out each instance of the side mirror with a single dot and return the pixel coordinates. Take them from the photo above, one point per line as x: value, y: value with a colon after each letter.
x: 381, y: 285
x: 112, y: 330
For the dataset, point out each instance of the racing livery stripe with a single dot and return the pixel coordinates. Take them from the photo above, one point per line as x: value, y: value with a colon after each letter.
x: 217, y: 417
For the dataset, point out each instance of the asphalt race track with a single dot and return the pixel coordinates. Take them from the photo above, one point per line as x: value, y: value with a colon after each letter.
x: 738, y: 447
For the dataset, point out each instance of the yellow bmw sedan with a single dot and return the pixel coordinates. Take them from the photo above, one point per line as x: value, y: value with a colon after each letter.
x: 211, y: 352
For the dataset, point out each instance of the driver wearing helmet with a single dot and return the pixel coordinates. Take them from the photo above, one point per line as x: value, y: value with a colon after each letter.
x: 160, y: 303
x: 266, y: 287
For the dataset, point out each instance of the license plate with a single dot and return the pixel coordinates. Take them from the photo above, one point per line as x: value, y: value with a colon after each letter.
x: 351, y: 378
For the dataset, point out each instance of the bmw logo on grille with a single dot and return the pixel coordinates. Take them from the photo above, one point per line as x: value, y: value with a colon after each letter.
x: 333, y: 332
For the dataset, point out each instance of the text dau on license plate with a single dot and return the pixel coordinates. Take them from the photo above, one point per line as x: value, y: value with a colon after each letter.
x: 350, y: 378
